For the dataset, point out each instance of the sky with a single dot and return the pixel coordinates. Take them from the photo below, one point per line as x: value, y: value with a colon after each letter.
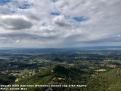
x: 60, y: 23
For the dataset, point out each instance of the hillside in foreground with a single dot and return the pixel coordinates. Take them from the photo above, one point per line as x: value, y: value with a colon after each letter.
x: 106, y: 81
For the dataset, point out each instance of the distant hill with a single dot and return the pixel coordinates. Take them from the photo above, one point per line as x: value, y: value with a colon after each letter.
x: 55, y: 50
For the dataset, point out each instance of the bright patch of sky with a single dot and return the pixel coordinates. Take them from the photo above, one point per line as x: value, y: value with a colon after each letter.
x: 4, y: 1
x: 80, y: 18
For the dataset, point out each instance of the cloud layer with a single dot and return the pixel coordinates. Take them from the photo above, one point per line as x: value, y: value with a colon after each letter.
x: 60, y: 23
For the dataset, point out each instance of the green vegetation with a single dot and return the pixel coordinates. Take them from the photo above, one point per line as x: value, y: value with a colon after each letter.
x: 98, y: 70
x: 106, y: 81
x: 6, y: 79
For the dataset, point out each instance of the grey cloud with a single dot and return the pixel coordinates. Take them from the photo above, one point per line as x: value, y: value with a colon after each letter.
x: 25, y: 36
x: 104, y: 21
x: 108, y: 39
x: 16, y: 24
x: 61, y: 21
